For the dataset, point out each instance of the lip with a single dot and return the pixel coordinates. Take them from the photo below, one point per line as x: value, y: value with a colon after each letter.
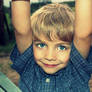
x: 51, y: 65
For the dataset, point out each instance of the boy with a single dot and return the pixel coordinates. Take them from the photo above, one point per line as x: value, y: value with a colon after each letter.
x: 45, y: 56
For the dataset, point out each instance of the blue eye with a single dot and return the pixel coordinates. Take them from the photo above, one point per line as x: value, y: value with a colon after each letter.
x: 41, y: 45
x: 61, y: 47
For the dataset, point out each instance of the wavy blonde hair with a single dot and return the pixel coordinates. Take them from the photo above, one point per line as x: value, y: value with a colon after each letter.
x: 53, y: 19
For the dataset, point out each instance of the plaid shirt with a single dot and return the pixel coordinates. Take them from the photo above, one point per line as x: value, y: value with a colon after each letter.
x: 73, y: 78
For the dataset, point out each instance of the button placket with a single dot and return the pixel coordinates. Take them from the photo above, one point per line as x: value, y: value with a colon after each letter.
x: 47, y: 80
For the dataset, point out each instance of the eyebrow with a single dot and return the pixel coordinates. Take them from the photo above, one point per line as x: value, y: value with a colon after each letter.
x: 60, y: 43
x: 36, y: 39
x: 39, y: 41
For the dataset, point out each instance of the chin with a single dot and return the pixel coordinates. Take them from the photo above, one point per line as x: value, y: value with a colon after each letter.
x: 50, y: 72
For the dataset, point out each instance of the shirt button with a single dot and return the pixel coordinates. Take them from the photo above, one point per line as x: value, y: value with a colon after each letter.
x: 47, y: 80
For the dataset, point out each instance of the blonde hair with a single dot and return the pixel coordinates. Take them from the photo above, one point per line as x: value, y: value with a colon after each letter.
x: 53, y: 19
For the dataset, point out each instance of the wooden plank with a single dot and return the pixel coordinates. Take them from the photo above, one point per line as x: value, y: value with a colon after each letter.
x: 6, y: 84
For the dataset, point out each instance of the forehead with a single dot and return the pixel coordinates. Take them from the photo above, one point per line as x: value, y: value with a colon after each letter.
x: 49, y: 36
x: 44, y: 39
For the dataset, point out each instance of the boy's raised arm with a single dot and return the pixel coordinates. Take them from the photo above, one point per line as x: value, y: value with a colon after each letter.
x: 21, y: 23
x: 83, y: 26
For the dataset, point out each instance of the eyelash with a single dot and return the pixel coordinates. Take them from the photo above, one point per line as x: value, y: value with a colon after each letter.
x: 59, y: 47
x: 39, y: 45
x: 62, y: 47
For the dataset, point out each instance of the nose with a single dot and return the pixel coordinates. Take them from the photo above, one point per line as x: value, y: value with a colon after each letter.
x: 50, y: 55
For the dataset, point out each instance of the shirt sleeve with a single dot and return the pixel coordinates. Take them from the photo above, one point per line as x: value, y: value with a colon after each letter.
x: 89, y: 59
x: 81, y: 64
x: 20, y: 60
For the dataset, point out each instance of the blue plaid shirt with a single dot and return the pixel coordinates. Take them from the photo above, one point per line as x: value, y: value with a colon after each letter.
x: 73, y: 78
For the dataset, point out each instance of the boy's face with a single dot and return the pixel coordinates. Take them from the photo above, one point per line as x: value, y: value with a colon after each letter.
x: 51, y: 56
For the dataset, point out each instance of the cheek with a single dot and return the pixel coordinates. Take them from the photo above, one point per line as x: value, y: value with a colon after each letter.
x: 38, y: 54
x: 64, y: 56
x: 66, y: 59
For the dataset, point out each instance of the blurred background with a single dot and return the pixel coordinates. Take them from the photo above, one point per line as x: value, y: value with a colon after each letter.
x: 7, y: 39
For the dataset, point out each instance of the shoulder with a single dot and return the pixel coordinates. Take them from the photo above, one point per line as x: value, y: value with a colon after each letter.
x: 89, y: 58
x: 78, y: 61
x: 15, y: 54
x: 76, y: 58
x: 21, y: 60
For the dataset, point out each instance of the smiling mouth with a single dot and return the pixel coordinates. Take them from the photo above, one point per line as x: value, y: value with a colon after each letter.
x: 50, y: 65
x: 47, y: 65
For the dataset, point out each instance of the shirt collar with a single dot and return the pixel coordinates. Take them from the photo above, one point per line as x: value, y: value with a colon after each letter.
x: 41, y: 74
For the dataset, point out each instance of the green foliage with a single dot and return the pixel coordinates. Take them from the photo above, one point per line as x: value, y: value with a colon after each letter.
x: 8, y: 18
x: 7, y: 48
x: 70, y: 3
x: 36, y: 6
x: 1, y: 66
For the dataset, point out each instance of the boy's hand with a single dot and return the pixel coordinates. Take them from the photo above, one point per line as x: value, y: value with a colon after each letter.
x: 83, y: 26
x: 22, y: 24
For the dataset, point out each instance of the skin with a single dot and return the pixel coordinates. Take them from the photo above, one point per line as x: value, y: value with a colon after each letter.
x: 21, y: 22
x: 82, y: 34
x: 51, y: 56
x: 83, y: 26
